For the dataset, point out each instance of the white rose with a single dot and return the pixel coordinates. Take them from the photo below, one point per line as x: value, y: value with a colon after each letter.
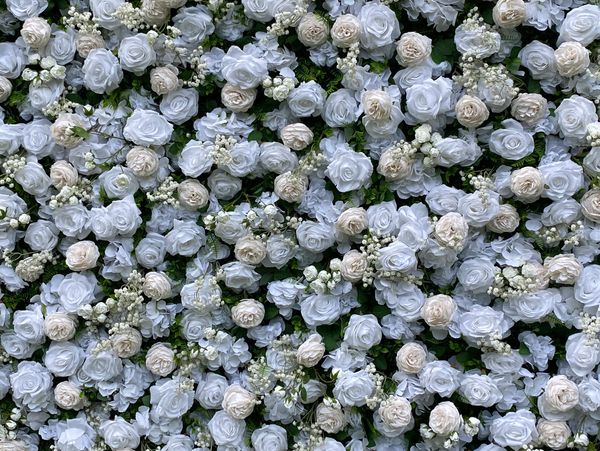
x: 86, y: 42
x: 5, y: 88
x: 411, y: 358
x: 581, y: 24
x: 248, y: 313
x: 237, y: 99
x: 68, y: 396
x: 60, y: 326
x: 242, y: 69
x: 506, y: 221
x: 527, y: 184
x: 395, y: 412
x: 147, y: 128
x: 36, y: 31
x: 563, y: 268
x: 136, y: 53
x: 363, y: 332
x: 379, y: 25
x: 238, y: 402
x: 330, y: 418
x: 509, y: 13
x: 82, y: 256
x: 554, y: 434
x: 349, y: 170
x: 438, y: 310
x: 126, y: 342
x: 250, y: 250
x: 62, y: 129
x: 160, y: 360
x: 296, y: 136
x: 451, y: 230
x: 345, y: 31
x: 291, y: 187
x: 572, y: 58
x: 163, y: 80
x: 377, y: 104
x: 62, y: 173
x: 311, y: 351
x: 354, y: 265
x: 413, y: 49
x: 312, y: 30
x: 352, y: 221
x: 529, y: 108
x: 142, y: 161
x: 561, y: 394
x: 590, y: 205
x: 156, y: 286
x: 445, y: 419
x: 192, y: 194
x: 471, y: 112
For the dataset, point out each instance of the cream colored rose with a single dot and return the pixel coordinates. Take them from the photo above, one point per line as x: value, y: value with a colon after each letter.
x: 248, y: 313
x: 82, y: 255
x: 354, y: 265
x: 68, y: 396
x: 237, y: 99
x: 164, y: 80
x: 395, y: 412
x: 160, y: 360
x: 126, y: 342
x: 529, y: 108
x: 62, y: 173
x: 35, y: 31
x: 86, y: 42
x: 527, y: 184
x: 5, y: 88
x: 155, y: 12
x: 411, y: 358
x: 412, y: 49
x: 345, y: 31
x: 377, y: 104
x: 537, y: 273
x: 451, y: 230
x: 438, y: 310
x: 142, y: 161
x: 13, y: 445
x: 509, y: 13
x: 60, y: 326
x: 311, y: 351
x: 572, y: 58
x: 554, y: 434
x: 471, y: 112
x: 561, y: 393
x: 563, y: 268
x: 62, y: 130
x: 444, y: 419
x: 296, y: 136
x: 352, y: 221
x: 312, y: 30
x: 330, y: 418
x: 192, y: 195
x: 291, y: 187
x: 506, y: 221
x: 156, y: 286
x: 250, y: 250
x: 393, y: 167
x: 590, y: 205
x: 238, y: 402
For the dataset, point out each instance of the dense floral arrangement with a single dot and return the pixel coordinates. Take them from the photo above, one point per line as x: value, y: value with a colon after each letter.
x: 287, y: 224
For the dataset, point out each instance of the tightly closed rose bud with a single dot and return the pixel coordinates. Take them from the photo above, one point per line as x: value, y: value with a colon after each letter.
x: 451, y: 230
x: 192, y: 195
x: 506, y: 221
x: 163, y: 80
x: 237, y: 99
x: 412, y: 49
x: 438, y: 310
x: 330, y: 418
x: 395, y: 412
x: 527, y: 184
x: 345, y: 31
x: 377, y: 104
x: 561, y: 394
x: 62, y: 130
x: 60, y: 326
x: 312, y: 30
x: 291, y: 187
x: 411, y: 358
x: 445, y: 419
x: 572, y: 58
x: 68, y: 396
x: 250, y: 250
x: 352, y: 221
x: 160, y: 360
x: 62, y: 173
x: 354, y: 265
x: 142, y: 161
x: 471, y: 112
x: 554, y: 434
x: 238, y: 402
x: 36, y: 32
x: 393, y: 167
x: 5, y: 88
x: 126, y: 342
x: 590, y: 205
x: 82, y: 256
x: 563, y: 268
x: 509, y: 13
x: 296, y: 136
x: 86, y: 42
x: 311, y: 351
x: 529, y: 108
x: 156, y: 286
x: 248, y: 313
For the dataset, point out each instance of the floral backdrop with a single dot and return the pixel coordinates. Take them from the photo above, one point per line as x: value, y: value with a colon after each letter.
x: 297, y: 225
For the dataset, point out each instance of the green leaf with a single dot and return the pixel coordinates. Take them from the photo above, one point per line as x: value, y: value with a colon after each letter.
x: 80, y: 132
x: 444, y: 50
x: 255, y: 135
